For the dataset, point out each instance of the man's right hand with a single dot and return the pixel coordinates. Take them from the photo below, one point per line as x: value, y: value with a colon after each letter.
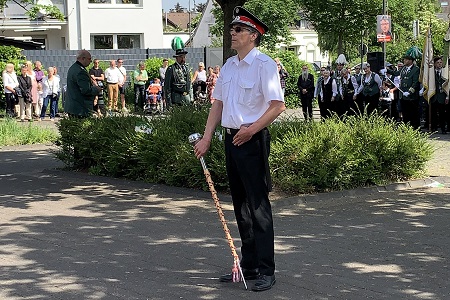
x: 201, y: 147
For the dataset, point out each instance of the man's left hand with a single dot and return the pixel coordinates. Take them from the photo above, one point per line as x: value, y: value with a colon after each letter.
x: 242, y: 136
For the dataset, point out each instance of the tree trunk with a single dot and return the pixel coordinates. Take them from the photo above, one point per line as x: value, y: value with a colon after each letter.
x: 227, y: 8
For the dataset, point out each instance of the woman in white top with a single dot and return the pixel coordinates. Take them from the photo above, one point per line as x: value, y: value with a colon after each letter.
x: 10, y: 82
x: 199, y: 78
x: 50, y: 86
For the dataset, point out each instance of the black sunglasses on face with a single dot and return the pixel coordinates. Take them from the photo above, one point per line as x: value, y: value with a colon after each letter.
x: 238, y: 29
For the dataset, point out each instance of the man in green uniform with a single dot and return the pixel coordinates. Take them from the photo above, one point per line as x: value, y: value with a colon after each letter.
x: 177, y: 84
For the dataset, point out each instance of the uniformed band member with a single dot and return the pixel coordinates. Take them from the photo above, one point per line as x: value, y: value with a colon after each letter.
x: 327, y: 93
x: 305, y: 84
x: 318, y: 92
x: 348, y: 87
x: 337, y: 104
x: 439, y: 101
x: 409, y: 88
x: 248, y: 99
x: 177, y: 84
x: 358, y: 102
x: 369, y: 89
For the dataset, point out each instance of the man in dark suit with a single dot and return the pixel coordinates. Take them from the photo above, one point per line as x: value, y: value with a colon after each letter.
x: 305, y: 85
x: 439, y: 99
x: 81, y: 90
x: 409, y: 90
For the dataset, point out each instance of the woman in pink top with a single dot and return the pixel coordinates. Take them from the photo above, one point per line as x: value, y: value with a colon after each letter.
x: 34, y: 88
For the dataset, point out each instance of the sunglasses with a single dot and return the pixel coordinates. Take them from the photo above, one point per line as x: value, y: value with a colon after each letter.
x: 238, y: 29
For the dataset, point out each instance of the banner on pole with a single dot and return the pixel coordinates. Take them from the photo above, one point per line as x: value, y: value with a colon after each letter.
x: 384, y: 28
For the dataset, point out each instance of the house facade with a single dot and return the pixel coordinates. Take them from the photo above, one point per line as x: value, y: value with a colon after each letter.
x: 90, y: 24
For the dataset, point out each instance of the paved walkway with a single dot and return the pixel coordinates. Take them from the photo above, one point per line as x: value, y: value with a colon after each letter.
x: 67, y: 235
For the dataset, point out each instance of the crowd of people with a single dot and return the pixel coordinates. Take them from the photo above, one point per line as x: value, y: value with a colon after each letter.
x: 29, y: 93
x: 394, y: 92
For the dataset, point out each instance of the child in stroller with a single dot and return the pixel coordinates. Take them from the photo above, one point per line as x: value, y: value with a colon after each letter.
x: 153, y: 97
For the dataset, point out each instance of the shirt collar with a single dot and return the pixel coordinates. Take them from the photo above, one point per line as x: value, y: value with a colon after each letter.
x: 249, y: 58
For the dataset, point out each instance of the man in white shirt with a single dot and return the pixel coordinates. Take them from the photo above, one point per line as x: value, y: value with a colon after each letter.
x: 113, y: 76
x: 122, y: 81
x: 248, y: 99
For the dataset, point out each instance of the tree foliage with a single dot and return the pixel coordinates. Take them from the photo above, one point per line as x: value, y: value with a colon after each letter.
x: 177, y: 8
x: 341, y: 24
x: 278, y: 15
x: 34, y: 10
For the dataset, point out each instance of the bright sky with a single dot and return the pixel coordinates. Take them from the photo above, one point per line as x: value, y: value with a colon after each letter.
x: 168, y: 4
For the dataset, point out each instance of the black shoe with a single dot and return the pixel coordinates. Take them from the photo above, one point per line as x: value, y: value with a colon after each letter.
x: 251, y: 274
x: 264, y: 282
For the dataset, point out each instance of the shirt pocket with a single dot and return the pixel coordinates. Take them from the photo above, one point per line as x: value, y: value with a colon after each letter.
x: 245, y: 92
x: 226, y: 85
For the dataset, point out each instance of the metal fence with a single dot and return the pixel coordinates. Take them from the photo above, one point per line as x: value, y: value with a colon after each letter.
x: 63, y: 59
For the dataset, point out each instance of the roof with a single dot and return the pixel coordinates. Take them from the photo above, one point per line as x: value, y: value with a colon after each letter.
x: 180, y: 20
x: 19, y: 43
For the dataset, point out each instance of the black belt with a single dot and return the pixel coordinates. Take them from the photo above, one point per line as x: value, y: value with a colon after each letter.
x: 231, y: 131
x: 113, y: 83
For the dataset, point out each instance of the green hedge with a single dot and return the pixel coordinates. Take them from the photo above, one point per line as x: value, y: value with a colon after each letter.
x: 305, y: 156
x: 335, y: 154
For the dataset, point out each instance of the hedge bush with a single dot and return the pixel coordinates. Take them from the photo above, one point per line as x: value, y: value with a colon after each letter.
x: 305, y: 156
x: 343, y: 154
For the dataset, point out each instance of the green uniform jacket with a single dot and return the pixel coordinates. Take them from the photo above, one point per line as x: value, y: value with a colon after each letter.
x: 174, y: 91
x: 440, y: 95
x: 409, y: 82
x: 80, y: 92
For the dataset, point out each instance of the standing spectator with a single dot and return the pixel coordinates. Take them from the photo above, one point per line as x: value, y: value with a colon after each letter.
x: 140, y: 79
x: 51, y: 86
x: 283, y: 74
x: 370, y: 89
x: 34, y: 88
x: 439, y: 100
x: 245, y: 111
x: 97, y: 75
x: 199, y: 78
x: 318, y: 92
x: 162, y: 77
x: 409, y: 89
x: 55, y: 70
x: 211, y: 83
x: 25, y: 99
x: 305, y: 84
x: 122, y: 83
x: 81, y: 90
x: 38, y: 71
x: 113, y: 76
x: 10, y: 84
x: 177, y: 83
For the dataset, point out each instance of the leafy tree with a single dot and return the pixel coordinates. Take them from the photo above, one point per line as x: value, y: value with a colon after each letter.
x: 33, y: 10
x: 279, y: 15
x: 178, y: 8
x: 200, y: 7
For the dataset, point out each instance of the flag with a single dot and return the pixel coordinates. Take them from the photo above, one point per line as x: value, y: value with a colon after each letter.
x: 445, y: 67
x: 427, y: 72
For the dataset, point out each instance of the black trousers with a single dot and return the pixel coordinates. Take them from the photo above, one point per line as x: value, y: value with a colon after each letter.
x: 247, y: 174
x: 372, y: 103
x: 10, y: 102
x: 438, y: 116
x: 139, y: 96
x: 306, y: 101
x: 410, y: 111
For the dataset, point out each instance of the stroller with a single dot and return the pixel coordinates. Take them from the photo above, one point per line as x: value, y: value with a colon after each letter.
x: 153, y: 98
